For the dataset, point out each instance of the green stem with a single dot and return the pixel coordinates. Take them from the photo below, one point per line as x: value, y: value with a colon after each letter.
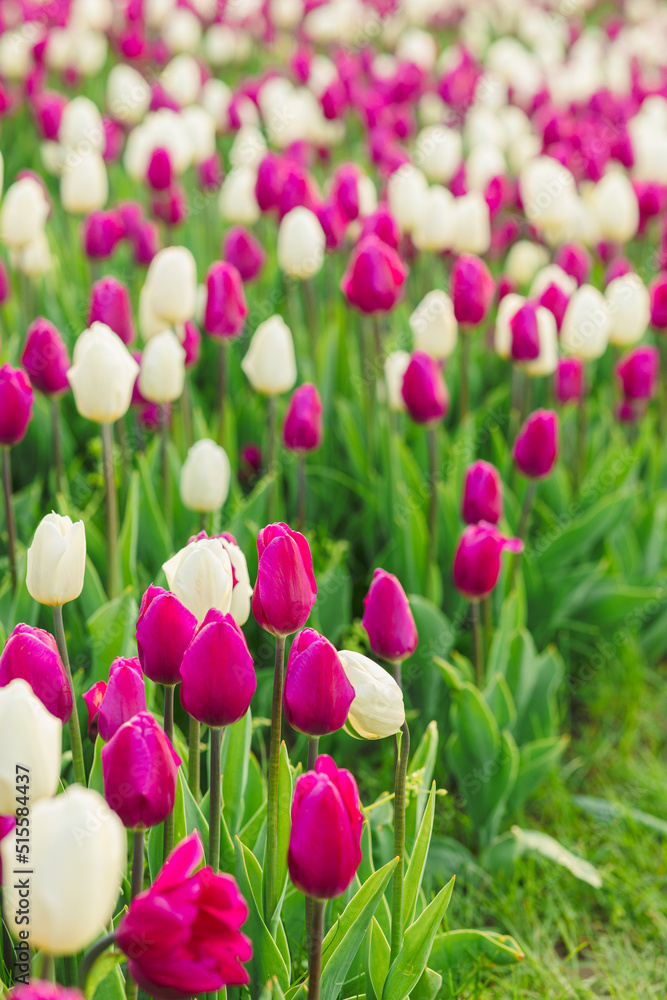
x: 526, y: 509
x: 168, y: 840
x: 403, y: 754
x: 194, y: 758
x: 164, y: 461
x: 301, y: 517
x: 271, y: 866
x: 138, y: 837
x: 9, y: 514
x: 315, y: 950
x: 313, y: 751
x: 432, y: 562
x: 215, y: 800
x: 478, y: 643
x: 71, y: 971
x: 465, y: 370
x: 580, y: 467
x: 74, y: 731
x: 310, y: 312
x: 113, y: 567
x: 7, y: 948
x: 186, y: 411
x: 222, y: 388
x: 57, y: 444
x: 488, y: 620
x: 271, y: 456
x: 91, y: 957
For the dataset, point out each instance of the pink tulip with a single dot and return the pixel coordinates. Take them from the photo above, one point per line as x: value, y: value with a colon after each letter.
x: 211, y: 173
x: 424, y: 391
x: 32, y: 655
x: 171, y: 206
x: 217, y: 673
x: 536, y: 447
x: 39, y: 989
x: 191, y: 343
x: 93, y: 699
x: 226, y: 307
x: 383, y: 225
x: 165, y: 629
x: 575, y: 260
x: 48, y: 107
x: 317, y: 694
x: 124, y: 697
x: 46, y: 358
x: 160, y: 173
x: 110, y: 303
x: 140, y: 771
x: 658, y: 292
x: 241, y: 249
x: 525, y: 333
x: 471, y: 287
x: 375, y: 276
x: 482, y: 494
x: 477, y: 560
x: 285, y: 590
x: 569, y: 380
x: 16, y: 399
x: 388, y: 618
x: 637, y: 372
x: 146, y: 243
x: 302, y: 430
x: 102, y: 232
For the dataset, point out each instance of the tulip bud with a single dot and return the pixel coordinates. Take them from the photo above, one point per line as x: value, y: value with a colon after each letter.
x: 141, y: 796
x: 270, y: 363
x: 536, y: 447
x: 172, y: 279
x: 237, y: 203
x: 226, y: 307
x: 159, y: 172
x: 84, y: 186
x: 637, y: 373
x: 205, y: 476
x: 435, y: 228
x: 16, y: 398
x: 616, y: 206
x: 146, y: 243
x: 406, y: 191
x: 374, y: 278
x: 165, y: 629
x: 569, y: 380
x: 586, y: 325
x: 32, y: 654
x: 191, y: 344
x: 301, y: 244
x: 211, y: 172
x: 575, y: 260
x: 482, y: 494
x: 285, y: 590
x: 472, y: 224
x: 201, y: 576
x: 76, y: 844
x: 102, y: 375
x: 128, y: 94
x: 658, y: 293
x: 524, y: 260
x: 241, y: 249
x: 45, y: 358
x: 383, y: 225
x: 125, y: 695
x: 303, y: 430
x: 30, y: 736
x: 109, y: 303
x: 217, y: 673
x: 317, y: 694
x: 477, y: 560
x: 525, y: 338
x: 56, y: 560
x: 471, y: 288
x: 424, y: 390
x: 388, y: 618
x: 434, y: 325
x: 23, y: 214
x: 395, y: 367
x: 629, y: 304
x: 102, y: 232
x: 162, y: 372
x: 324, y: 850
x: 93, y: 699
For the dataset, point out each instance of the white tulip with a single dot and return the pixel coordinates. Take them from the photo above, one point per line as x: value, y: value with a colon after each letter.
x: 90, y: 52
x: 162, y: 372
x: 78, y: 850
x: 220, y: 44
x: 301, y: 244
x: 34, y: 258
x: 237, y: 203
x: 172, y: 279
x: 368, y: 196
x: 182, y: 30
x: 128, y: 94
x: 248, y: 148
x: 205, y: 476
x: 16, y: 53
x: 436, y: 225
x: 84, y: 185
x: 547, y: 360
x: 286, y: 14
x: 616, y: 206
x: 473, y: 224
x: 150, y: 324
x: 395, y: 367
x: 431, y: 110
x: 434, y: 325
x: 270, y: 364
x: 502, y: 336
x: 629, y: 305
x: 418, y: 47
x: 29, y: 736
x: 24, y: 212
x: 484, y: 127
x: 547, y: 190
x: 586, y: 324
x: 81, y: 126
x: 406, y: 190
x: 102, y: 375
x: 181, y: 78
x: 201, y: 576
x: 201, y: 129
x: 156, y: 12
x: 216, y: 96
x: 97, y: 14
x: 53, y: 157
x: 56, y: 560
x: 242, y: 592
x: 485, y: 161
x: 524, y: 260
x: 377, y: 709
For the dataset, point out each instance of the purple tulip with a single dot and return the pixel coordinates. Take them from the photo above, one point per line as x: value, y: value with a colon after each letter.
x: 388, y: 619
x: 569, y: 380
x: 536, y: 447
x: 5, y: 285
x: 374, y: 278
x: 471, y: 288
x: 424, y: 391
x: 575, y: 260
x: 556, y: 300
x: 110, y: 303
x: 383, y: 225
x: 160, y: 173
x: 482, y: 494
x: 658, y: 292
x: 324, y: 850
x: 477, y: 560
x: 102, y: 232
x: 345, y: 190
x: 165, y: 629
x: 124, y: 697
x: 131, y: 215
x: 93, y: 699
x: 46, y: 358
x: 637, y: 372
x: 270, y: 178
x: 303, y: 429
x: 16, y: 399
x: 226, y: 307
x: 525, y: 333
x: 317, y: 694
x: 140, y: 771
x: 145, y: 242
x: 217, y: 673
x: 171, y: 206
x: 39, y: 989
x: 242, y: 249
x: 285, y: 590
x: 32, y: 654
x: 191, y: 343
x: 211, y: 172
x: 47, y: 109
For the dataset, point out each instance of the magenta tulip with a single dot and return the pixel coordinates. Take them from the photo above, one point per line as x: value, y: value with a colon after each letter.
x: 388, y: 618
x: 124, y: 697
x: 285, y: 590
x: 47, y: 109
x: 217, y: 673
x: 637, y: 372
x: 482, y: 494
x: 165, y: 629
x: 171, y: 206
x: 211, y: 172
x: 383, y: 225
x: 471, y: 288
x: 5, y: 285
x: 40, y: 989
x: 345, y: 190
x: 317, y: 694
x: 131, y: 214
x: 616, y: 269
x: 375, y: 276
x: 477, y: 560
x: 110, y: 303
x: 536, y: 447
x: 303, y: 428
x: 242, y: 249
x: 324, y: 850
x: 182, y: 936
x: 146, y: 243
x: 140, y: 771
x: 525, y: 334
x: 569, y: 380
x: 160, y: 173
x: 46, y: 358
x: 270, y: 179
x: 93, y: 699
x: 102, y: 232
x: 424, y: 391
x: 575, y: 260
x: 16, y: 399
x: 191, y: 343
x: 556, y: 300
x: 226, y: 307
x: 32, y: 654
x: 658, y: 292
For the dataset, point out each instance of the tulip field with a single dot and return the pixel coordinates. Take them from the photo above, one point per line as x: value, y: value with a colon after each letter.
x: 333, y: 532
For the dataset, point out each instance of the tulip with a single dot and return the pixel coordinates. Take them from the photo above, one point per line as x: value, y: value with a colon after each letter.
x: 250, y: 463
x: 182, y: 935
x: 30, y: 736
x: 101, y: 233
x: 524, y: 260
x: 482, y: 494
x: 226, y: 307
x: 303, y: 430
x: 472, y: 224
x: 23, y: 214
x: 57, y: 560
x: 45, y: 358
x: 77, y: 845
x: 383, y: 225
x: 172, y: 279
x: 377, y: 710
x: 637, y: 373
x: 201, y: 576
x: 270, y: 363
x: 124, y: 697
x: 205, y: 476
x: 388, y: 619
x: 109, y: 303
x: 395, y: 367
x: 629, y: 304
x: 162, y: 372
x: 477, y: 559
x: 242, y: 591
x: 217, y: 672
x: 128, y: 94
x: 40, y: 990
x: 434, y: 325
x: 140, y: 772
x: 32, y: 654
x: 5, y: 286
x: 301, y: 244
x: 93, y: 699
x: 241, y: 249
x: 406, y: 191
x: 615, y: 204
x: 317, y: 694
x: 211, y: 172
x: 471, y: 288
x: 375, y: 276
x: 165, y: 628
x: 237, y: 202
x: 84, y: 186
x: 525, y: 339
x: 159, y: 172
x: 16, y: 399
x: 146, y: 243
x: 285, y: 590
x: 436, y: 226
x: 658, y: 293
x: 324, y: 850
x: 586, y: 324
x: 569, y: 381
x: 191, y: 344
x: 424, y: 390
x: 575, y: 260
x: 102, y: 375
x: 536, y: 447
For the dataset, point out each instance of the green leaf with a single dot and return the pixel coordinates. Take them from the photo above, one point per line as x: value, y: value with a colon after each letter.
x: 421, y: 767
x: 112, y: 987
x: 194, y: 817
x: 602, y: 809
x: 103, y: 967
x: 284, y: 820
x: 267, y: 961
x: 536, y: 760
x: 499, y: 699
x: 235, y: 754
x: 485, y: 784
x: 378, y: 960
x: 475, y: 726
x: 466, y: 948
x: 95, y: 778
x: 129, y: 534
x: 409, y: 964
x: 536, y: 842
x: 111, y: 630
x: 436, y: 632
x: 415, y: 871
x: 428, y: 985
x: 559, y: 547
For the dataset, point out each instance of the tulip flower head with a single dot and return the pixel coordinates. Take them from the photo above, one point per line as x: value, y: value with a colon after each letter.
x: 471, y: 288
x: 226, y: 308
x: 29, y: 735
x: 242, y: 249
x: 424, y: 390
x: 205, y: 476
x: 388, y: 618
x: 140, y: 772
x: 536, y: 447
x: 217, y: 672
x: 303, y: 428
x: 32, y: 654
x: 482, y: 494
x: 434, y: 325
x: 637, y: 373
x: 110, y: 304
x: 102, y: 375
x: 56, y: 560
x: 658, y: 293
x: 165, y: 629
x: 46, y: 358
x: 285, y: 590
x: 201, y: 576
x: 317, y: 694
x: 375, y: 276
x: 38, y: 989
x: 16, y: 399
x: 569, y: 380
x: 93, y: 699
x: 270, y: 363
x: 301, y: 244
x: 377, y: 710
x: 477, y: 559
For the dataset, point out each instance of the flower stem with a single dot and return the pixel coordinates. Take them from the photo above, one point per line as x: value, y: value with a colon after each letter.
x: 113, y: 567
x: 301, y: 519
x: 315, y: 949
x: 194, y: 760
x: 164, y: 461
x: 271, y: 865
x: 9, y: 514
x: 57, y: 444
x: 432, y: 561
x: 399, y: 840
x: 271, y: 455
x: 168, y: 841
x: 138, y: 837
x: 313, y: 751
x: 222, y: 388
x: 478, y: 642
x: 215, y: 800
x: 465, y: 367
x: 580, y: 466
x: 74, y: 731
x: 91, y: 957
